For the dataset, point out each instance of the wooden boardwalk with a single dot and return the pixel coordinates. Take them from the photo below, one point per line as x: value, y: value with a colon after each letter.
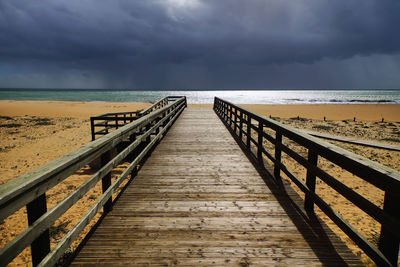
x: 198, y: 200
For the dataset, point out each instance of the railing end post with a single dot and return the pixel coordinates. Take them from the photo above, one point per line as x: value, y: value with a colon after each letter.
x: 388, y: 242
x: 41, y: 246
x: 278, y: 153
x: 260, y: 142
x: 106, y: 181
x: 310, y: 182
x: 92, y: 128
x: 248, y: 131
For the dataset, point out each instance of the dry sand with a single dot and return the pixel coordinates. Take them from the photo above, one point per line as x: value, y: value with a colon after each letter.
x: 65, y: 108
x: 362, y: 112
x: 36, y: 132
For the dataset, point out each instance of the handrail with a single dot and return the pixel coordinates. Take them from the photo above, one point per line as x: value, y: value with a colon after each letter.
x: 138, y: 138
x: 245, y: 124
x: 120, y: 119
x: 160, y: 103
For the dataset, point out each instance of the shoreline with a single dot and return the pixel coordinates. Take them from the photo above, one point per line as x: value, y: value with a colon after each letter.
x: 81, y: 109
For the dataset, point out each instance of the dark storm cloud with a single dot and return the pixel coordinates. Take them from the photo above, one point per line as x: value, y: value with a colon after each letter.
x: 178, y: 43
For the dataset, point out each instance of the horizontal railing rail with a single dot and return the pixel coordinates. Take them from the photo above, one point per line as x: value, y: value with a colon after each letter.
x: 250, y: 130
x: 137, y: 138
x: 105, y: 123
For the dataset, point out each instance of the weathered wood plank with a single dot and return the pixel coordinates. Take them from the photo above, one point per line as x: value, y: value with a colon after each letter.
x: 205, y: 252
x: 211, y: 196
x: 174, y: 261
x: 170, y: 180
x: 199, y: 201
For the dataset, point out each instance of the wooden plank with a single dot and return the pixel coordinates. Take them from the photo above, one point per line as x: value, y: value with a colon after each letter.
x: 211, y: 196
x: 169, y: 180
x: 201, y: 202
x: 174, y: 261
x: 204, y: 252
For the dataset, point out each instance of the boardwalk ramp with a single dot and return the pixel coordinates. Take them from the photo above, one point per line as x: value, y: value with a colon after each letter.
x: 198, y: 200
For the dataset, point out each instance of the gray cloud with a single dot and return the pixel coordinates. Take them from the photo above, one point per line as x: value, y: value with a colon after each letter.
x: 199, y: 44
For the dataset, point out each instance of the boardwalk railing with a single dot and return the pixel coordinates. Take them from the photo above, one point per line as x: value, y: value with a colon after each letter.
x: 251, y: 130
x: 136, y: 138
x: 112, y: 121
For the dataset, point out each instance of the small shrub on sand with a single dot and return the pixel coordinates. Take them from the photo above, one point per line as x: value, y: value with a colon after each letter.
x: 322, y: 127
x: 42, y: 121
x: 5, y: 118
x: 11, y: 125
x: 391, y: 139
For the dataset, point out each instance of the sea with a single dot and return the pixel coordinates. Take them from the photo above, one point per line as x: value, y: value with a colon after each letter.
x: 381, y: 96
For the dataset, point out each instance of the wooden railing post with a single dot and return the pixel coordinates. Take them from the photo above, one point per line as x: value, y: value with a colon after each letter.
x: 148, y: 139
x: 230, y: 115
x: 260, y: 142
x: 235, y: 125
x: 227, y: 112
x: 116, y: 121
x: 248, y: 130
x: 241, y: 126
x: 158, y: 128
x: 310, y: 181
x: 133, y: 154
x: 224, y: 111
x: 106, y: 181
x: 388, y: 242
x: 41, y: 246
x: 278, y: 154
x: 165, y: 114
x: 92, y: 128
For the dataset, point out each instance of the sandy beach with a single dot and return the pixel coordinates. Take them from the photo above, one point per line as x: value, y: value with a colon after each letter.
x: 65, y: 108
x: 36, y: 132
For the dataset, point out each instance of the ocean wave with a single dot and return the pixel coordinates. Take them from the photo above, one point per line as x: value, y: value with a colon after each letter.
x: 207, y: 97
x: 364, y: 101
x: 339, y: 101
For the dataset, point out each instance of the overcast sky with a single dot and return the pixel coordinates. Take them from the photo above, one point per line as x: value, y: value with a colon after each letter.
x: 168, y: 44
